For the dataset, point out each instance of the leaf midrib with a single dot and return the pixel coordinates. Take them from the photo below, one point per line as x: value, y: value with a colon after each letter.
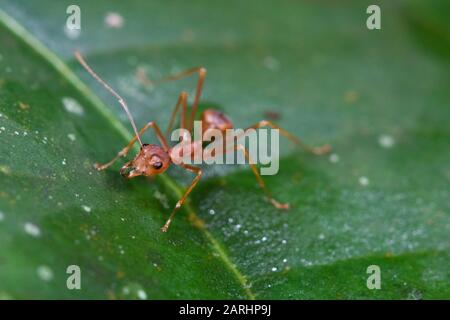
x: 52, y: 59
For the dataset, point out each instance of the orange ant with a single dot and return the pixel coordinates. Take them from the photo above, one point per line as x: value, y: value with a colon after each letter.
x: 153, y: 159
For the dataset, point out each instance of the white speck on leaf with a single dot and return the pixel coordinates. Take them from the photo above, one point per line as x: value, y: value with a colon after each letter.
x: 141, y: 294
x: 162, y: 198
x: 334, y: 158
x: 71, y: 137
x: 45, y: 273
x: 32, y: 229
x: 114, y: 20
x: 72, y: 106
x: 5, y: 169
x: 364, y: 181
x: 86, y: 208
x: 386, y: 141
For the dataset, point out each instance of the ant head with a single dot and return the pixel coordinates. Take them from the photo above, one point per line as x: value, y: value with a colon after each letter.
x: 150, y: 161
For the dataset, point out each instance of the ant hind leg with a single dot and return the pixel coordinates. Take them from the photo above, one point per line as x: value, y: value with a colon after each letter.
x: 320, y: 150
x: 261, y: 183
x: 258, y: 177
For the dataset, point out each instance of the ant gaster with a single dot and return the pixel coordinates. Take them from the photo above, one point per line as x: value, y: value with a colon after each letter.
x: 155, y: 159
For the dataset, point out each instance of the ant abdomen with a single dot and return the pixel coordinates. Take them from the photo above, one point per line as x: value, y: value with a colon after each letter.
x: 215, y: 119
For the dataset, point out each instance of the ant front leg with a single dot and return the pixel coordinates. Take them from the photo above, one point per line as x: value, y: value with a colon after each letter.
x: 124, y: 151
x: 324, y: 149
x: 180, y: 202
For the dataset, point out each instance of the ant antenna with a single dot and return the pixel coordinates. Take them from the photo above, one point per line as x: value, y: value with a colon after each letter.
x: 111, y: 90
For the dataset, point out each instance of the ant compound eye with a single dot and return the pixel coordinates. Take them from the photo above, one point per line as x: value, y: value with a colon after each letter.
x: 157, y: 165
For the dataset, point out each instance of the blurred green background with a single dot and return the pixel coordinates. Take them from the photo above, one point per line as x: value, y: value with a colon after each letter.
x: 380, y: 97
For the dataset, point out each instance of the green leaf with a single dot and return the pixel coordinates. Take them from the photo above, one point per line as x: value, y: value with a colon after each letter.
x: 379, y: 97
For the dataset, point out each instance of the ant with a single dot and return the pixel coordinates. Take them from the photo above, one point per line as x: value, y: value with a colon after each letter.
x: 154, y: 159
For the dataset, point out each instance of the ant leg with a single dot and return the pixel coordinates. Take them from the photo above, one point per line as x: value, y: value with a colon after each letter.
x: 198, y: 92
x: 324, y: 149
x: 180, y: 202
x: 258, y: 177
x: 121, y: 153
x: 182, y: 101
x: 124, y: 151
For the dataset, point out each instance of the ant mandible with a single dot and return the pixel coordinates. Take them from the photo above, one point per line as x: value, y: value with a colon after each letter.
x: 153, y: 159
